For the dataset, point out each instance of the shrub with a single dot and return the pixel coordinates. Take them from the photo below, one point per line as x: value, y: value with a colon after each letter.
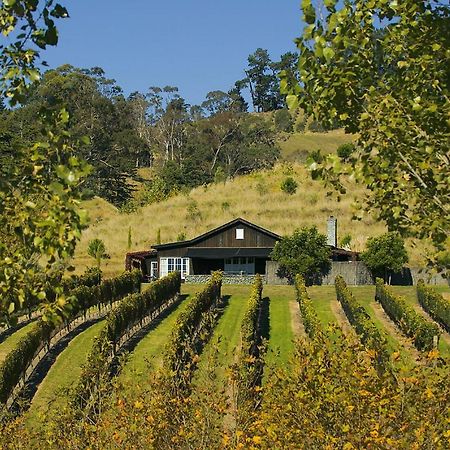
x: 181, y: 236
x: 408, y: 320
x: 97, y: 250
x: 283, y: 121
x: 344, y: 151
x: 289, y: 185
x: 345, y: 240
x: 434, y: 304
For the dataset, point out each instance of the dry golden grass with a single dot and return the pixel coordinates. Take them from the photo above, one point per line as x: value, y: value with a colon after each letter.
x: 298, y: 145
x: 255, y: 197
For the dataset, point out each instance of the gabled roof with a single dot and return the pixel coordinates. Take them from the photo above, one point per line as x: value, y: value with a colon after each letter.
x: 238, y: 221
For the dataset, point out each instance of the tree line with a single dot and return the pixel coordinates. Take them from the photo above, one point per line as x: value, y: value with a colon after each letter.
x: 186, y: 145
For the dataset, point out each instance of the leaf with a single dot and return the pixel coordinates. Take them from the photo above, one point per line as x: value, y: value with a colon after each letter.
x: 328, y: 53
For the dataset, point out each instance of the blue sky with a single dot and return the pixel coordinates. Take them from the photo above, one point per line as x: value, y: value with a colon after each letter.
x: 197, y: 45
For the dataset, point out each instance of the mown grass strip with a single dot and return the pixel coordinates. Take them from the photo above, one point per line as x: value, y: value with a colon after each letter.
x: 281, y: 334
x: 63, y: 375
x: 321, y: 298
x: 148, y: 353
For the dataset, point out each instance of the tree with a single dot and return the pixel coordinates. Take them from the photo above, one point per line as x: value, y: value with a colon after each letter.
x: 381, y: 69
x: 385, y: 254
x: 40, y: 217
x: 97, y: 250
x: 305, y: 252
x: 289, y: 185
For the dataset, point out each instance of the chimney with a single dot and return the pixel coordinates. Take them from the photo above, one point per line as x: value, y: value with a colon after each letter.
x: 332, y: 231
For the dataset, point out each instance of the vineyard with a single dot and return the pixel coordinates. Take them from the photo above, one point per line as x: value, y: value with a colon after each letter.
x: 171, y: 365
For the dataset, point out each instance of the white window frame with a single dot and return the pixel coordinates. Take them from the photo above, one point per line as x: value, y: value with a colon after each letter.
x: 154, y: 269
x: 240, y: 233
x: 174, y: 263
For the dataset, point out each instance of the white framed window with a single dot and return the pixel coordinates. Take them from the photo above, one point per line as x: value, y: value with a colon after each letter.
x: 154, y: 269
x: 239, y: 233
x: 173, y: 264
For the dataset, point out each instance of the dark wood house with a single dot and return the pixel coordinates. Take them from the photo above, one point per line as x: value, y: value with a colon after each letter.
x: 238, y: 247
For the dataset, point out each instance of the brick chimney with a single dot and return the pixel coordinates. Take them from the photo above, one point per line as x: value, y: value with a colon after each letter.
x: 332, y: 231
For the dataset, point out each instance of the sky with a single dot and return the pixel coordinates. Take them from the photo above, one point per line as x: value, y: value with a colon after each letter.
x: 197, y: 45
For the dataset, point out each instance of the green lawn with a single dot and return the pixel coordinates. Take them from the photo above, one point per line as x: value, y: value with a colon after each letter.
x: 321, y: 297
x: 149, y: 350
x: 11, y: 341
x: 226, y: 336
x: 63, y: 374
x: 281, y: 334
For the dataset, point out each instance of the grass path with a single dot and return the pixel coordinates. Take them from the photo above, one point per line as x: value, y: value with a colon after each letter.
x: 149, y: 350
x: 281, y: 332
x: 226, y: 336
x: 11, y: 341
x: 64, y: 373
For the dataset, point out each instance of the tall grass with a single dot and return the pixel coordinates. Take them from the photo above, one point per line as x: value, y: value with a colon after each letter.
x: 269, y: 207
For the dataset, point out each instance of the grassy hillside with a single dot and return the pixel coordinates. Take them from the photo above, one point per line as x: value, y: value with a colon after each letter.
x: 256, y: 197
x: 296, y: 146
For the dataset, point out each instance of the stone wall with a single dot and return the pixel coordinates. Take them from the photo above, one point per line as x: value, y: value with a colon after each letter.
x: 227, y: 279
x: 353, y: 272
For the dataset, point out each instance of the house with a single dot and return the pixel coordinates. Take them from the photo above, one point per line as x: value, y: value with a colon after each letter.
x: 239, y: 248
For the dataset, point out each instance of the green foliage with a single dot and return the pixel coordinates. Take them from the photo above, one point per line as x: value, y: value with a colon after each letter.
x: 434, y: 304
x: 181, y: 236
x: 251, y: 357
x: 180, y: 355
x: 40, y: 181
x: 305, y: 252
x: 193, y: 213
x: 345, y: 241
x: 311, y: 321
x: 97, y: 250
x: 385, y: 253
x: 344, y: 151
x: 361, y: 321
x: 158, y: 236
x: 13, y: 368
x: 131, y: 310
x: 220, y: 176
x: 365, y: 65
x: 283, y: 121
x: 289, y: 185
x: 405, y: 316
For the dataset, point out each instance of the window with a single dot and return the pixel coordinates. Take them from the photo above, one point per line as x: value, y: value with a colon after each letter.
x: 239, y: 233
x: 175, y: 264
x: 228, y: 261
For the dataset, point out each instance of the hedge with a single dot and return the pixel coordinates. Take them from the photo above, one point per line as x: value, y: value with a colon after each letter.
x: 19, y: 359
x: 368, y: 332
x: 434, y: 304
x: 412, y: 324
x: 311, y: 322
x: 184, y: 334
x: 128, y: 313
x: 250, y: 361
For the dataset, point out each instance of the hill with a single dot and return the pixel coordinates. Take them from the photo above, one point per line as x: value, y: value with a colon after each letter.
x: 256, y: 197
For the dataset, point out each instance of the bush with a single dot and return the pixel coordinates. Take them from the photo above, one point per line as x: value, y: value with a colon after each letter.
x: 344, y: 151
x: 97, y: 250
x: 289, y: 185
x: 408, y: 320
x: 283, y: 121
x: 361, y: 321
x: 434, y: 304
